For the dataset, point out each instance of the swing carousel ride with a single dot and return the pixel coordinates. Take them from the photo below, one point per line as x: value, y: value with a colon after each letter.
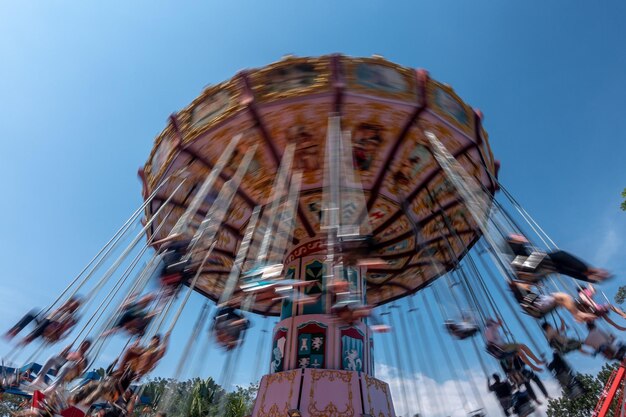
x: 334, y: 193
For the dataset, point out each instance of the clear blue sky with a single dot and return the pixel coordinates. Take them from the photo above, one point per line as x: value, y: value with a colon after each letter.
x: 85, y: 87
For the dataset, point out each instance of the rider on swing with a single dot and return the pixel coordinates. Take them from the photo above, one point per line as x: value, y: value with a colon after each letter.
x: 53, y: 327
x: 559, y: 341
x: 538, y: 305
x: 532, y: 265
x: 68, y: 365
x: 464, y: 328
x: 228, y: 326
x: 134, y: 317
x: 571, y: 385
x: 135, y: 362
x: 176, y: 266
x: 585, y: 302
x: 604, y: 343
x: 495, y: 343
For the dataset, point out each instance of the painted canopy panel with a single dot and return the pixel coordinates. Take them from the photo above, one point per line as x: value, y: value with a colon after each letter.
x: 385, y: 107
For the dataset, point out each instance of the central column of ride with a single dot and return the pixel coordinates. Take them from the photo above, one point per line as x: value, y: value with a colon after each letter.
x: 320, y: 365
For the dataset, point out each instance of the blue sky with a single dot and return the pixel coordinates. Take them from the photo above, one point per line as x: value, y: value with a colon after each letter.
x: 86, y: 87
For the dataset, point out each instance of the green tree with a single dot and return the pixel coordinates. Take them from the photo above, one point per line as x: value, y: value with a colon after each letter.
x: 196, y: 398
x: 584, y: 405
x: 9, y: 404
x: 154, y: 390
x: 192, y: 398
x: 624, y: 202
x: 239, y: 403
x: 204, y: 398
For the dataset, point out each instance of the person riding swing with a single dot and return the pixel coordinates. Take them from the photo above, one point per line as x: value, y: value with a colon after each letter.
x: 176, y: 268
x: 462, y: 329
x: 503, y: 391
x: 560, y: 342
x: 605, y: 343
x: 75, y: 364
x: 569, y: 382
x: 51, y: 328
x: 538, y: 305
x: 520, y: 374
x: 499, y: 349
x: 134, y: 317
x: 135, y: 362
x: 586, y: 303
x: 532, y: 265
x: 228, y: 327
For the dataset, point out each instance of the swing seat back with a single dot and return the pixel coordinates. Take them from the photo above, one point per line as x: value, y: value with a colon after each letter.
x: 522, y: 405
x: 534, y: 260
x: 497, y: 352
x: 529, y: 264
x: 528, y: 305
x: 460, y: 332
x: 464, y: 334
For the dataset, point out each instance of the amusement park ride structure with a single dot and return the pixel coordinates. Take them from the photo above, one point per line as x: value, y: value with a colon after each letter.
x: 352, y: 133
x: 316, y: 190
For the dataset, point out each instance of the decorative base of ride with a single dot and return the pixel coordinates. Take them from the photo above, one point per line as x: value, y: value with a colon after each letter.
x: 321, y: 366
x: 322, y: 393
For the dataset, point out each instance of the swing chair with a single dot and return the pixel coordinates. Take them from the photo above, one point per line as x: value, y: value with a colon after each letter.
x: 176, y: 268
x: 531, y: 303
x: 461, y: 330
x: 522, y: 405
x: 228, y: 327
x: 263, y: 280
x: 567, y: 379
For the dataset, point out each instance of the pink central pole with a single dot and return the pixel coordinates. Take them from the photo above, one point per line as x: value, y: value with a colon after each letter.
x: 319, y: 366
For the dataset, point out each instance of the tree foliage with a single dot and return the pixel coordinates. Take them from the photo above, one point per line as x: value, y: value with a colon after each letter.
x: 624, y: 202
x: 9, y: 404
x: 239, y: 403
x: 620, y: 297
x: 585, y: 404
x: 192, y: 398
x: 196, y: 398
